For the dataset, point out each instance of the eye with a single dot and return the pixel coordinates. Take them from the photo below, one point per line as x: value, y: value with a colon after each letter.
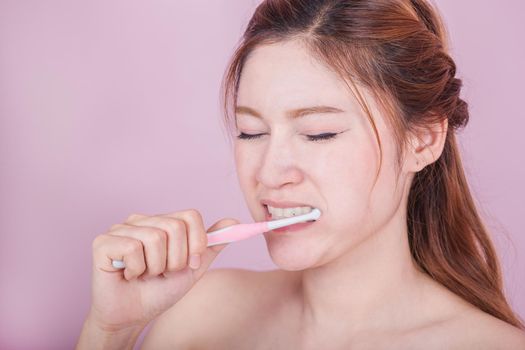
x: 321, y: 137
x: 244, y: 136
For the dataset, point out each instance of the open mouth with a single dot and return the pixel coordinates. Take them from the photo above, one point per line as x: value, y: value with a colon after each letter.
x: 275, y: 213
x: 291, y: 228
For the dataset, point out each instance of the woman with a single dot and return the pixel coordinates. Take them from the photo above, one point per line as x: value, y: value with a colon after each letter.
x: 349, y: 106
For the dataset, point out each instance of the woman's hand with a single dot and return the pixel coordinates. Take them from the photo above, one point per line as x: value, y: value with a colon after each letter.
x: 165, y: 255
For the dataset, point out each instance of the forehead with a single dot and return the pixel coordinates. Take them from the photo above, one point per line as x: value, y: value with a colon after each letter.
x: 285, y: 75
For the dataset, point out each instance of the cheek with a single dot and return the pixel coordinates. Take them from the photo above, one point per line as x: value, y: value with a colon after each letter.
x: 245, y: 163
x: 347, y: 176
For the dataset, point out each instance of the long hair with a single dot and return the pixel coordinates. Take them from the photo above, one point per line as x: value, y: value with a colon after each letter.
x: 398, y: 50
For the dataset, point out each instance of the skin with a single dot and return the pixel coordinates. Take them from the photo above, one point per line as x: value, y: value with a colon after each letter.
x: 348, y: 280
x: 362, y: 234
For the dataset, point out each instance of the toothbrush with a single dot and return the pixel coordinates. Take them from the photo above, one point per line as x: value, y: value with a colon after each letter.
x: 239, y: 232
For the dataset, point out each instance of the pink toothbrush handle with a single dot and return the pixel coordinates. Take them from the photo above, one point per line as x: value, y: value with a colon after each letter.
x: 236, y: 233
x: 224, y: 235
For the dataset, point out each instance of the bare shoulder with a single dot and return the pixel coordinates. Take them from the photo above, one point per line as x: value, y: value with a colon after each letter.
x: 489, y: 332
x: 222, y: 304
x: 474, y: 329
x: 453, y: 323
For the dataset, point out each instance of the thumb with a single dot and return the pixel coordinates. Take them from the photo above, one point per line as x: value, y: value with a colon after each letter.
x: 211, y: 252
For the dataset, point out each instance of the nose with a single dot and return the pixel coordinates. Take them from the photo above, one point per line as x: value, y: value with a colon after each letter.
x: 279, y: 166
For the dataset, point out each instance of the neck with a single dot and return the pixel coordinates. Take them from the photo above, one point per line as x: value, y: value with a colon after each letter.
x: 372, y: 287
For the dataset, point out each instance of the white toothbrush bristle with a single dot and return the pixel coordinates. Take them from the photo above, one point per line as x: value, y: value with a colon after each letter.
x: 316, y: 213
x: 311, y: 216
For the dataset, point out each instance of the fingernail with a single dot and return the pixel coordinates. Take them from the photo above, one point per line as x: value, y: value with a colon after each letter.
x: 195, y: 261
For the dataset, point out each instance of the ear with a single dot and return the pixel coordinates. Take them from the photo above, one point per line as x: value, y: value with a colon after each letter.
x: 427, y: 145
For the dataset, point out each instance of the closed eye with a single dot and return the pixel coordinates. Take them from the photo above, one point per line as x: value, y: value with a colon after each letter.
x: 244, y: 136
x: 320, y: 137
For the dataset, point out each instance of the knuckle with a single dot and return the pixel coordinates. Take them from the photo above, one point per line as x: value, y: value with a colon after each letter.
x: 178, y: 260
x: 178, y: 264
x: 199, y: 243
x: 203, y: 243
x: 116, y: 227
x: 140, y: 267
x: 193, y: 213
x: 134, y: 216
x: 132, y: 247
x: 131, y: 274
x: 175, y: 225
x: 159, y: 268
x: 154, y: 270
x: 156, y: 236
x: 98, y: 242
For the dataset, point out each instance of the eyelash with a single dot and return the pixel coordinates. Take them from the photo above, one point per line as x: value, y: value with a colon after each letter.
x: 315, y: 138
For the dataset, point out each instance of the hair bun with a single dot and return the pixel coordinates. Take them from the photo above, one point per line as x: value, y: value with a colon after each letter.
x: 460, y: 116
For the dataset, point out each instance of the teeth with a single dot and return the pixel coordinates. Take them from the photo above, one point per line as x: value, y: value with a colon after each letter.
x: 288, y: 212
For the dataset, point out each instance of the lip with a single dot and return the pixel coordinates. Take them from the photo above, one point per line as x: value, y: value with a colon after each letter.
x: 292, y: 228
x: 284, y: 204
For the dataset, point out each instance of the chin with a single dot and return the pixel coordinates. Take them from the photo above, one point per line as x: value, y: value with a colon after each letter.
x: 290, y: 254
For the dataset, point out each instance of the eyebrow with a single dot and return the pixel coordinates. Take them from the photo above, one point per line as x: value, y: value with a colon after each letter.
x: 294, y: 113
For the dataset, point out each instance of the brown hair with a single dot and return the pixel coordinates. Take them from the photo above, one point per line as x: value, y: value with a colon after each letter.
x: 398, y: 50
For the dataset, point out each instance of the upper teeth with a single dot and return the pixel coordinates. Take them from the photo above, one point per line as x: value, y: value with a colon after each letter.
x: 288, y: 212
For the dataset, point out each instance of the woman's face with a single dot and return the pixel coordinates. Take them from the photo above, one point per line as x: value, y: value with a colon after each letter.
x: 285, y: 165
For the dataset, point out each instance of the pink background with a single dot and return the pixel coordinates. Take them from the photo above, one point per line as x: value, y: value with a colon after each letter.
x: 111, y: 107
